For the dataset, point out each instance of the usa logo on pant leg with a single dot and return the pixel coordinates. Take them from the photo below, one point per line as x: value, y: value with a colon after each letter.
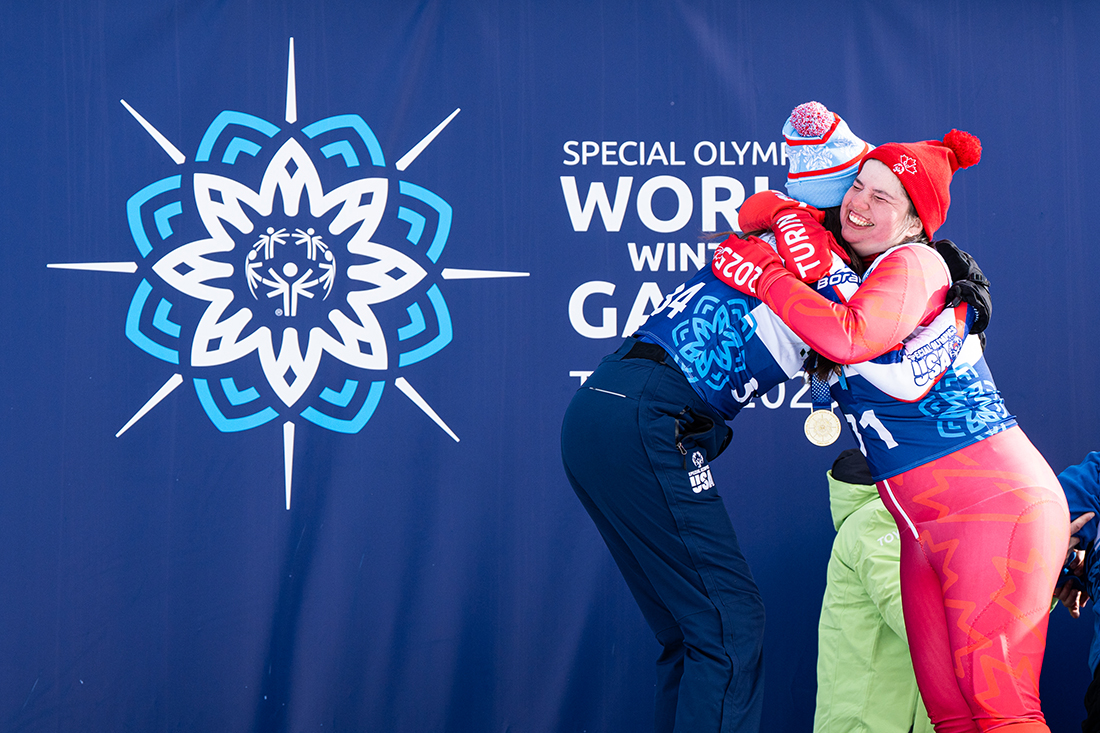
x: 701, y: 478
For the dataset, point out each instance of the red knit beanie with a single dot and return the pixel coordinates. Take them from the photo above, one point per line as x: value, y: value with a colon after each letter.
x: 925, y: 169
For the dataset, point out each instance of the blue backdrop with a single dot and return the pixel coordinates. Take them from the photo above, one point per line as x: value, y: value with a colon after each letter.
x: 296, y: 295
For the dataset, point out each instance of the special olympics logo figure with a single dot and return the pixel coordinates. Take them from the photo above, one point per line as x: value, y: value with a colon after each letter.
x: 280, y: 279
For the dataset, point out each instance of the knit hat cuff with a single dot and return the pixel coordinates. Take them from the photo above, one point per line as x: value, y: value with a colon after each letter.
x: 822, y: 191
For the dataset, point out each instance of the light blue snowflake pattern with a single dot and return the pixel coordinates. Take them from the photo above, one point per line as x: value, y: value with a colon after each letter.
x: 711, y: 343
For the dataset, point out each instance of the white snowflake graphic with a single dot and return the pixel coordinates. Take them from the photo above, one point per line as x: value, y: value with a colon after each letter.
x: 287, y: 272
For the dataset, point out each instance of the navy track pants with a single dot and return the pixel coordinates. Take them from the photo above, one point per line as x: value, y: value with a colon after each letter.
x: 636, y: 444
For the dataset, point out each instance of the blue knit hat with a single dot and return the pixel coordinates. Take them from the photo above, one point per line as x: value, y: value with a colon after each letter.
x: 823, y: 155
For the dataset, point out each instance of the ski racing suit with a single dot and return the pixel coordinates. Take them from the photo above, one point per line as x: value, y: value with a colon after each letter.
x: 982, y: 517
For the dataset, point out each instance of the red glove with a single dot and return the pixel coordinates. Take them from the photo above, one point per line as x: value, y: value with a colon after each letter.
x: 760, y: 209
x: 804, y: 245
x: 749, y: 266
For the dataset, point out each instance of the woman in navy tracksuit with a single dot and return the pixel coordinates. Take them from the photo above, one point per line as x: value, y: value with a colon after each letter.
x: 637, y: 441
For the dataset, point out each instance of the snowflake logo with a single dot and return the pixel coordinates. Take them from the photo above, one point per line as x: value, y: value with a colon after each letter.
x: 810, y: 157
x: 905, y: 164
x: 281, y: 247
x: 964, y: 404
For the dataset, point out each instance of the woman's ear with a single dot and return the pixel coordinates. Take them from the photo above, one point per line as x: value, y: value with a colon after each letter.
x: 915, y: 227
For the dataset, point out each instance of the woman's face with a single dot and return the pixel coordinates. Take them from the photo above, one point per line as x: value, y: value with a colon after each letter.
x: 875, y: 211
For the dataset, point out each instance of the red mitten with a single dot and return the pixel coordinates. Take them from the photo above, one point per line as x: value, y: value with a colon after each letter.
x: 749, y: 266
x: 758, y: 211
x: 805, y: 246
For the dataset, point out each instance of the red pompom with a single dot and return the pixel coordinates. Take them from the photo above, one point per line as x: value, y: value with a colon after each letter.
x: 967, y: 148
x: 812, y: 119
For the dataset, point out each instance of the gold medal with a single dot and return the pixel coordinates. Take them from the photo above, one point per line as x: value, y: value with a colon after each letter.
x: 822, y: 427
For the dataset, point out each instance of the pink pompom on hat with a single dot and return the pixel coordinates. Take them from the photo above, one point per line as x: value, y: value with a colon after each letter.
x: 822, y: 153
x: 925, y: 170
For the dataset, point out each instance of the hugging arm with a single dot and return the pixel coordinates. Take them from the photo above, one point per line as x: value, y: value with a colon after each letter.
x: 905, y: 288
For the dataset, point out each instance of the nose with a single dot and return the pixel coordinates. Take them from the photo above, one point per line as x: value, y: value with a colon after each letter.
x: 859, y: 199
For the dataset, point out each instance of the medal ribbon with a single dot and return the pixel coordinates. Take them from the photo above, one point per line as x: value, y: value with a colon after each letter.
x: 819, y: 394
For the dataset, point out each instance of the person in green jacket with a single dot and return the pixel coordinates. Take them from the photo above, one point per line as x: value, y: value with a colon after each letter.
x: 865, y: 680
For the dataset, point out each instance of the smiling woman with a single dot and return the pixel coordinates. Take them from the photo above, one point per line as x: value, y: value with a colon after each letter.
x: 997, y: 528
x: 876, y: 212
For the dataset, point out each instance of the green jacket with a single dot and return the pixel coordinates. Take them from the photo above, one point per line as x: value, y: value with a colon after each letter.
x: 865, y: 679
